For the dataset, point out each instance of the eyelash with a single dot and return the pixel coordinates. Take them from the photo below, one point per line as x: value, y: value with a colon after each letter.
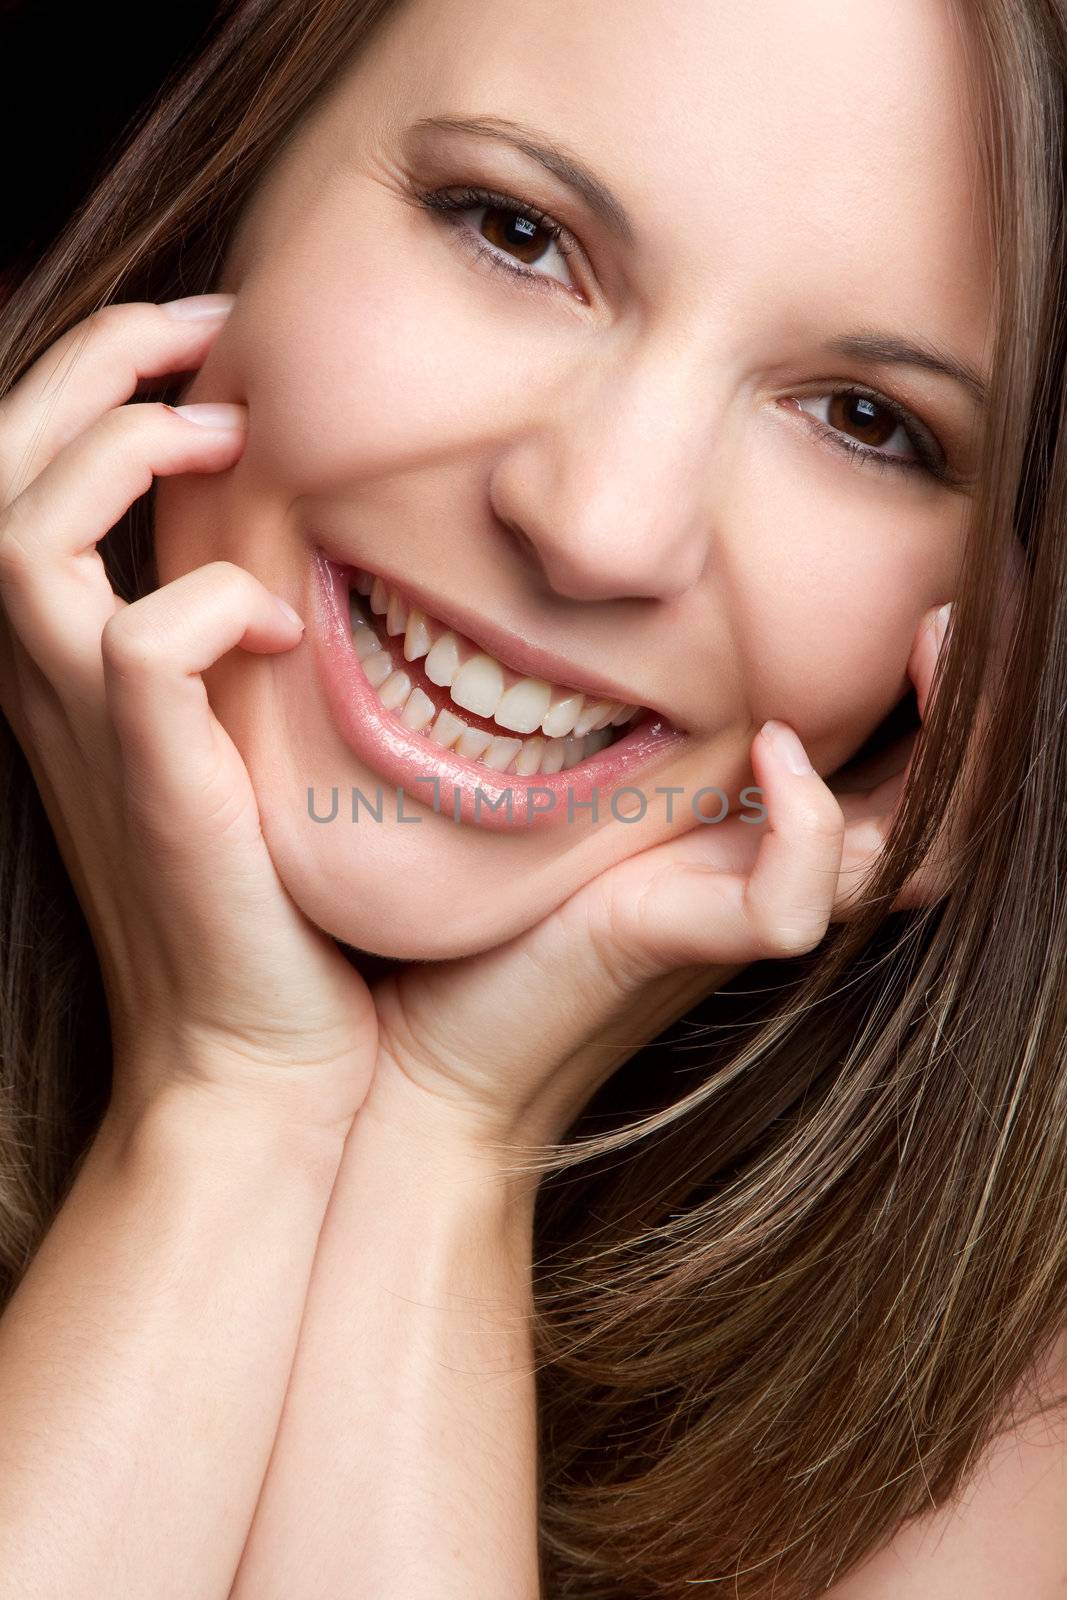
x: 451, y: 203
x: 930, y: 460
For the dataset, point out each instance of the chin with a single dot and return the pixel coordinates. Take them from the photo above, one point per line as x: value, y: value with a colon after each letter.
x: 372, y: 906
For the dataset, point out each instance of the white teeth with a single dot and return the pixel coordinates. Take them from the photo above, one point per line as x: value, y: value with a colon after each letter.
x: 365, y: 640
x: 396, y: 616
x: 417, y: 639
x: 522, y: 706
x: 478, y: 685
x: 378, y: 667
x: 442, y: 663
x: 594, y: 712
x: 447, y: 729
x: 564, y: 733
x: 528, y: 760
x: 395, y: 690
x: 472, y: 742
x: 614, y: 706
x: 501, y: 752
x: 418, y: 710
x: 552, y: 757
x: 561, y: 718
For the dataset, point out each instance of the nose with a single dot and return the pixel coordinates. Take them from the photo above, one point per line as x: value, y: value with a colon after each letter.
x: 606, y: 492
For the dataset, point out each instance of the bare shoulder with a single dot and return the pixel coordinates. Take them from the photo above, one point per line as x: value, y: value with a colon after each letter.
x: 1005, y: 1535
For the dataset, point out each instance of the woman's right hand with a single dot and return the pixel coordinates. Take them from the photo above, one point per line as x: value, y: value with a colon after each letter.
x: 212, y: 973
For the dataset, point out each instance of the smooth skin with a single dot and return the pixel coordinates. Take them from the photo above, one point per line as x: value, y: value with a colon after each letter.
x: 617, y: 459
x: 291, y: 1247
x: 185, y: 1251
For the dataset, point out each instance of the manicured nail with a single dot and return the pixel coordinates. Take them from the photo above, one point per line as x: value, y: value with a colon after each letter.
x: 284, y: 606
x: 941, y: 623
x: 787, y: 747
x: 210, y: 414
x: 195, y: 307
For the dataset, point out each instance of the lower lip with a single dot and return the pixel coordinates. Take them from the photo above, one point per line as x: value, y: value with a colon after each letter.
x: 466, y: 791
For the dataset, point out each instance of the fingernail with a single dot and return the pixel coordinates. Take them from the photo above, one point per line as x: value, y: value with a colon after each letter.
x: 210, y: 414
x: 286, y: 608
x: 195, y: 307
x: 787, y: 747
x: 941, y: 623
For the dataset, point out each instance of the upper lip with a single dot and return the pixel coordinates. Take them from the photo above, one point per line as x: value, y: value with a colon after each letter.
x: 521, y: 655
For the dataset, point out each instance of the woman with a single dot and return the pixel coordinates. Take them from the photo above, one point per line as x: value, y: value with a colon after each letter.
x: 561, y: 378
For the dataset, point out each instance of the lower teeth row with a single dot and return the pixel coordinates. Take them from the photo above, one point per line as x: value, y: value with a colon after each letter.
x: 415, y: 709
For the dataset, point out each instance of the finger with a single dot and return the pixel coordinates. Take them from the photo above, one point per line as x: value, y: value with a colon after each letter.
x: 790, y: 891
x: 95, y: 367
x: 53, y: 583
x: 926, y: 649
x: 177, y: 759
x: 869, y: 819
x: 935, y: 875
x: 687, y: 912
x: 869, y: 816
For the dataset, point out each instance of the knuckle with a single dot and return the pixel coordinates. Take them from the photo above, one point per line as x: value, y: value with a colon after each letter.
x: 107, y: 322
x: 621, y: 934
x: 820, y: 817
x: 236, y: 583
x: 221, y: 571
x: 122, y: 438
x: 127, y: 646
x: 122, y: 427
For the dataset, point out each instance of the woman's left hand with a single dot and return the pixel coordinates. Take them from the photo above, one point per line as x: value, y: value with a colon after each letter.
x: 510, y: 1044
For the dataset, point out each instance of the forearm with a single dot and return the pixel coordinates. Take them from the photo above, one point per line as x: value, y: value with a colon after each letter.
x: 406, y: 1462
x: 145, y: 1354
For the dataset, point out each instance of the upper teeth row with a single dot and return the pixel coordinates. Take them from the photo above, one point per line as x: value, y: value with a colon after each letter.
x: 480, y: 684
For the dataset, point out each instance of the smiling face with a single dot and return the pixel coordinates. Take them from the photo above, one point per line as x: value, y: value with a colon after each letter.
x: 625, y: 473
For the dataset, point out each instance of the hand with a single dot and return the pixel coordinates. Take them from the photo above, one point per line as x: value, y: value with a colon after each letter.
x: 149, y: 800
x: 510, y: 1045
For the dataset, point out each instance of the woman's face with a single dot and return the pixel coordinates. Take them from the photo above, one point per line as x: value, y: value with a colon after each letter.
x: 625, y: 474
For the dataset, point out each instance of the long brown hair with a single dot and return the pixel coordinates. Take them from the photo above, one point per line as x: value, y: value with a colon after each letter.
x: 801, y: 1257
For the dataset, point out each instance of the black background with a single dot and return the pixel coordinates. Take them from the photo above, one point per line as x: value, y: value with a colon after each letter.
x: 72, y: 78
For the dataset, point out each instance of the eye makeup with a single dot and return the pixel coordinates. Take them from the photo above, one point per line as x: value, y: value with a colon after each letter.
x: 505, y: 240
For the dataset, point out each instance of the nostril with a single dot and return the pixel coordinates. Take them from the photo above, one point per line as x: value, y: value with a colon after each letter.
x: 524, y: 545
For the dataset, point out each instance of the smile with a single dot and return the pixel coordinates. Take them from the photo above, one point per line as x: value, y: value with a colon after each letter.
x: 439, y: 682
x: 429, y: 709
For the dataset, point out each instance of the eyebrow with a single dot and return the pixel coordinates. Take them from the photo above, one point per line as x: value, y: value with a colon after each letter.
x: 867, y: 344
x: 560, y: 162
x: 889, y: 349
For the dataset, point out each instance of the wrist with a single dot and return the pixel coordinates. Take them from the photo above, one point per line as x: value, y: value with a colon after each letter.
x: 432, y: 1148
x: 215, y: 1125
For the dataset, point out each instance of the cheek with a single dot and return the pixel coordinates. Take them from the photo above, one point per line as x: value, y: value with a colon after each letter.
x: 828, y: 602
x: 363, y: 351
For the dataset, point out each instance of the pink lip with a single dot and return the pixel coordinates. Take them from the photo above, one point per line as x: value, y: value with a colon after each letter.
x: 465, y: 790
x: 521, y: 655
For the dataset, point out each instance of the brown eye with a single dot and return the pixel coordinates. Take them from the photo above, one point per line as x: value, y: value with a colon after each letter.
x: 511, y: 231
x: 871, y: 429
x: 507, y: 233
x: 858, y: 414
